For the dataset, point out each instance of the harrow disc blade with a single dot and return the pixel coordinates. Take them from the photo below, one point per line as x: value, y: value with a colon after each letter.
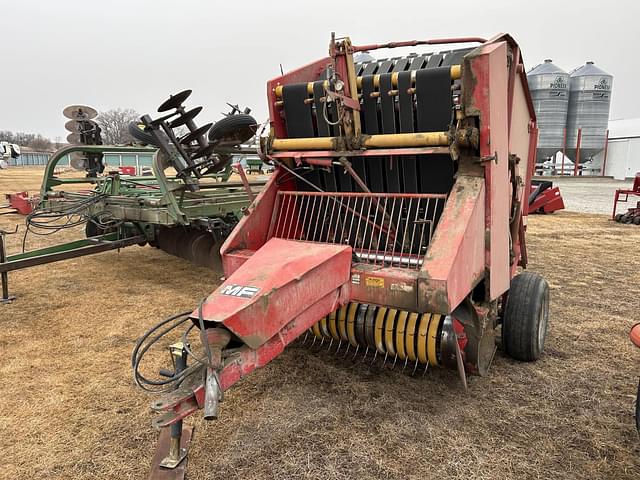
x: 167, y: 239
x: 183, y: 247
x: 201, y: 248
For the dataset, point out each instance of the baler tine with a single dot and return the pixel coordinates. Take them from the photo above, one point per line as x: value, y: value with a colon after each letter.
x: 395, y: 216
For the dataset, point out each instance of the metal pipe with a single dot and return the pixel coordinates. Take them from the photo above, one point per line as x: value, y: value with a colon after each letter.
x: 211, y: 396
x: 456, y: 73
x: 425, y: 139
x: 415, y: 43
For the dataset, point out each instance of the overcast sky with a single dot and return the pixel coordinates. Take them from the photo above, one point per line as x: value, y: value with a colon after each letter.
x: 134, y: 53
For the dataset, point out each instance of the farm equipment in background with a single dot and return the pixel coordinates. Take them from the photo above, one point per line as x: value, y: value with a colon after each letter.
x: 392, y: 229
x: 188, y: 214
x: 544, y: 197
x: 632, y: 215
x: 20, y: 203
x: 7, y: 152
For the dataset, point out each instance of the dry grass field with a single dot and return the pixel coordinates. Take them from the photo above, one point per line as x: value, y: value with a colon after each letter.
x: 70, y: 411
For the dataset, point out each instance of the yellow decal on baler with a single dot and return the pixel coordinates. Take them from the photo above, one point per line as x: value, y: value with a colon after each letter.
x: 375, y: 282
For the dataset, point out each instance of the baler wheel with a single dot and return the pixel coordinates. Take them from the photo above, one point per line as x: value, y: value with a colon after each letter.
x: 636, y: 220
x: 526, y: 317
x: 618, y: 217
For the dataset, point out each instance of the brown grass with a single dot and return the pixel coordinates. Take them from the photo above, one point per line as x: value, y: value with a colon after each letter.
x: 70, y: 410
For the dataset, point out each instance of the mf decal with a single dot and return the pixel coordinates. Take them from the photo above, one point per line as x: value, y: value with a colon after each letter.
x: 239, y: 291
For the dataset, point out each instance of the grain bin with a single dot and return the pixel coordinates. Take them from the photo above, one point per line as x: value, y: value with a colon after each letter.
x: 549, y: 86
x: 589, y: 102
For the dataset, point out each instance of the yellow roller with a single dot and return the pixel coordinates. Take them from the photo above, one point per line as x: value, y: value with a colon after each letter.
x: 331, y: 323
x: 389, y: 330
x: 432, y: 339
x: 342, y: 322
x: 422, y: 337
x: 316, y: 330
x: 390, y: 140
x: 400, y: 328
x: 455, y: 74
x: 379, y: 329
x: 351, y: 323
x: 324, y: 328
x: 410, y: 335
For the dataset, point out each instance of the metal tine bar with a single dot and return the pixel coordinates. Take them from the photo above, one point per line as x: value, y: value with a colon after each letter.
x: 338, y: 349
x: 347, y: 350
x: 304, y: 340
x: 375, y: 355
x: 321, y: 193
x: 386, y: 355
x: 283, y: 215
x: 314, y: 341
x: 292, y: 215
x: 326, y: 222
x: 312, y: 218
x: 406, y: 359
x: 433, y: 218
x: 357, y: 239
x: 353, y: 359
x: 365, y: 354
x: 395, y: 358
x: 375, y: 219
x: 386, y: 245
x: 337, y: 217
x: 406, y: 227
x: 344, y: 226
x: 330, y: 344
x: 355, y: 204
x: 285, y: 199
x: 413, y: 230
x: 426, y: 367
x: 317, y: 220
x: 414, y: 368
x: 304, y: 219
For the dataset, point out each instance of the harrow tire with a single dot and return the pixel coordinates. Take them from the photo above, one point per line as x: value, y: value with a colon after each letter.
x: 140, y: 135
x: 234, y: 129
x: 526, y: 317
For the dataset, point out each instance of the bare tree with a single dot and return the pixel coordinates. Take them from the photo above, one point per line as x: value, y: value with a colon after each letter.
x: 114, y: 125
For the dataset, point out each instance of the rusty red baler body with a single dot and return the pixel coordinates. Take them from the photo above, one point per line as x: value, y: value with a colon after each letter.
x: 395, y: 219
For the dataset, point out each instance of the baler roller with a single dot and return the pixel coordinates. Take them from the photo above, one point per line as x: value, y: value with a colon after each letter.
x: 455, y: 75
x: 393, y: 333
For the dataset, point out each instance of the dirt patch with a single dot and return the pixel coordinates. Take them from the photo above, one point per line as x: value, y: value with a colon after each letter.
x: 70, y: 410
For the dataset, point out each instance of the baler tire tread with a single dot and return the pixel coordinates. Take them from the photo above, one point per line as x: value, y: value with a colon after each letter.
x: 527, y: 303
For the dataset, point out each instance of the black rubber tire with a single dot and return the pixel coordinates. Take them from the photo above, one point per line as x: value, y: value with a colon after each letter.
x: 526, y: 317
x: 234, y: 129
x: 140, y: 135
x: 636, y: 220
x: 618, y: 217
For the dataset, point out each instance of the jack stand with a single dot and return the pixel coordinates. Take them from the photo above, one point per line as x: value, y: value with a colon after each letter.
x: 170, y: 460
x: 4, y: 276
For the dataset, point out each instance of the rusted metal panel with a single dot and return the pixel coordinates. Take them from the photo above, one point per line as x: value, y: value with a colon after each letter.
x: 251, y: 231
x: 278, y: 282
x: 392, y: 287
x: 455, y: 260
x: 490, y: 97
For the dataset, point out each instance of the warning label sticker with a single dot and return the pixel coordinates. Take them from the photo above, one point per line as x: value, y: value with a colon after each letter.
x: 375, y: 282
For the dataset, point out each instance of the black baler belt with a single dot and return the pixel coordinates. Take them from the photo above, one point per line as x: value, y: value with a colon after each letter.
x: 318, y: 94
x: 385, y: 66
x: 299, y: 117
x: 375, y: 180
x: 434, y: 60
x: 433, y: 96
x: 417, y: 63
x: 405, y: 104
x: 388, y: 113
x: 297, y: 113
x: 401, y: 65
x: 370, y: 68
x: 434, y: 107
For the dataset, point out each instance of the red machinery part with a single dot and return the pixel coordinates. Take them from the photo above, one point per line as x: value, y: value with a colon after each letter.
x: 622, y: 195
x: 548, y: 200
x: 634, y: 334
x: 21, y: 202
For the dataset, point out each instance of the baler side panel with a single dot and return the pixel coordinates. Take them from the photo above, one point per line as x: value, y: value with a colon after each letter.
x: 252, y: 230
x: 488, y: 65
x: 454, y: 263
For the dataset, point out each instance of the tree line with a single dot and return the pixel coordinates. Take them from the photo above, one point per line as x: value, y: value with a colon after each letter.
x: 113, y: 124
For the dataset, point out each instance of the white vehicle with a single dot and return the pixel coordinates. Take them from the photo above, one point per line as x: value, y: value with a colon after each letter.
x: 8, y: 151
